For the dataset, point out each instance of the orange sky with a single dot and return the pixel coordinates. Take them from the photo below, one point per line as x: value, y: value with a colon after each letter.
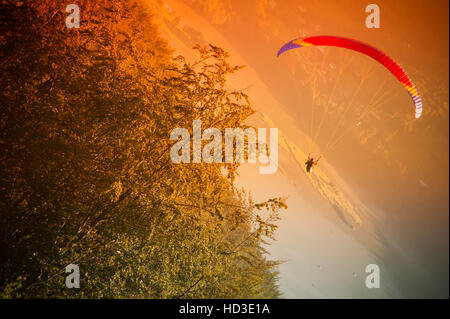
x: 392, y: 164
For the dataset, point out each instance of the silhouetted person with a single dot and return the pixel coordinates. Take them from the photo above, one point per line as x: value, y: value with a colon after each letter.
x: 310, y: 163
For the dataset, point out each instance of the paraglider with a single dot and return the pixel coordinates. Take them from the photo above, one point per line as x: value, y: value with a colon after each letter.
x: 366, y: 49
x: 310, y: 163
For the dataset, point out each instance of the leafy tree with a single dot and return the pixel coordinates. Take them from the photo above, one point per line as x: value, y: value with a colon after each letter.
x: 85, y: 171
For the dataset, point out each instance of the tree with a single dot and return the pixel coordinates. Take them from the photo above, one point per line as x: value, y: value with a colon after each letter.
x: 85, y: 172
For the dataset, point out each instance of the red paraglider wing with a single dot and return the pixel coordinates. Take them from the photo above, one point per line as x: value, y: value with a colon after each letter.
x: 366, y: 49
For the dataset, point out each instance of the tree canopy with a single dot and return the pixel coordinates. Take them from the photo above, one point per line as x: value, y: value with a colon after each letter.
x: 85, y: 171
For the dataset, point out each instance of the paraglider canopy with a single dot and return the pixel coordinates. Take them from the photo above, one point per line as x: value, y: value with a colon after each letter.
x: 366, y: 49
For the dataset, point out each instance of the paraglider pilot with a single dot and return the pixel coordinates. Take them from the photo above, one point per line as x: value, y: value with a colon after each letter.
x: 310, y: 163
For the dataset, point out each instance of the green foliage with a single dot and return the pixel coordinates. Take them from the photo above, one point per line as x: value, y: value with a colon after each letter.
x: 85, y: 172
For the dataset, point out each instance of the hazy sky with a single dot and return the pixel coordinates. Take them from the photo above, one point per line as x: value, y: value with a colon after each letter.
x: 383, y: 166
